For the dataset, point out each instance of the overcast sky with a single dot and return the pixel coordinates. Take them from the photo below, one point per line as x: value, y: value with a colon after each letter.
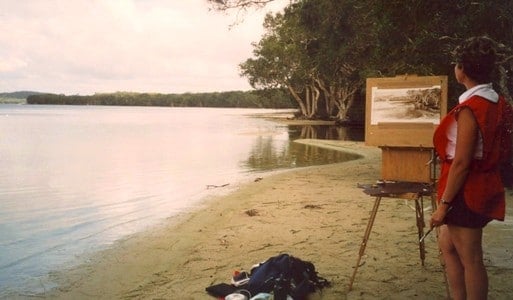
x: 88, y: 46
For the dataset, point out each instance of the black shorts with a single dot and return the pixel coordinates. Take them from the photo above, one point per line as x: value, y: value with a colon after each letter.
x: 461, y: 215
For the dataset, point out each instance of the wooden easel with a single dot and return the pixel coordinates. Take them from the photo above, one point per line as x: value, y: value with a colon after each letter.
x: 408, y: 163
x: 420, y: 165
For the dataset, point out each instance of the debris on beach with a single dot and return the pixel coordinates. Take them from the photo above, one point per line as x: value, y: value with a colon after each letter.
x: 252, y: 212
x: 312, y: 206
x: 213, y: 186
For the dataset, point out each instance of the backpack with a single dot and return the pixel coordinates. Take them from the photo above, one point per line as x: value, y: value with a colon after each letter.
x: 285, y: 275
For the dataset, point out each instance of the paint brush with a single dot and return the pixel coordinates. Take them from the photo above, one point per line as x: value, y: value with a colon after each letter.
x: 431, y: 229
x: 426, y: 234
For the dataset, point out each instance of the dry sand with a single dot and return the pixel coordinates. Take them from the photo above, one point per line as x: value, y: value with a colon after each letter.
x: 317, y: 214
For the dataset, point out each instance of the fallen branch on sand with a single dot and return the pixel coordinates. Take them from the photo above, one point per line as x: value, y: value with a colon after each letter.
x: 212, y: 186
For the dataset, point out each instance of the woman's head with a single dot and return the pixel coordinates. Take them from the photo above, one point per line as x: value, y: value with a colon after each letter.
x: 477, y: 56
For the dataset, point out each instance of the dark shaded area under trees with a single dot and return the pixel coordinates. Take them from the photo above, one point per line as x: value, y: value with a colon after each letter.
x: 322, y: 51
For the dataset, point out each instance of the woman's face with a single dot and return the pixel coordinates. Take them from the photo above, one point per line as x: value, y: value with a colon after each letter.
x: 458, y: 72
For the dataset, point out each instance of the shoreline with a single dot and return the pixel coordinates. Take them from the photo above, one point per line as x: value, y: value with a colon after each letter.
x: 314, y: 213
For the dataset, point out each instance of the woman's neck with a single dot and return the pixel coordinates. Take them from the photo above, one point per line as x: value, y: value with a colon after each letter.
x: 470, y: 84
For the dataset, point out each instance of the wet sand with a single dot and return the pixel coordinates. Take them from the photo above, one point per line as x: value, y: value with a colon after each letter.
x: 317, y: 214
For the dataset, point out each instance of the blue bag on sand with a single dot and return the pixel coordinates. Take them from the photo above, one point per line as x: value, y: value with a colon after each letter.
x: 285, y: 275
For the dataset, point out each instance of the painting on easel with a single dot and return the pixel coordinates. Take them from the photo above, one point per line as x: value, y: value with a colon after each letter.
x: 407, y: 105
x: 404, y: 111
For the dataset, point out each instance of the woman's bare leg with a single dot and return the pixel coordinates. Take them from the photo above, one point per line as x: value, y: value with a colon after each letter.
x: 453, y: 265
x: 468, y: 244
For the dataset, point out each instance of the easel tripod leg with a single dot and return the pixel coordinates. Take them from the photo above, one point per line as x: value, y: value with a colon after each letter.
x: 419, y: 212
x: 365, y: 239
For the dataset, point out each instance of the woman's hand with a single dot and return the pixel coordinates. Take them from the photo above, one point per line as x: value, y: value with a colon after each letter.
x: 437, y: 218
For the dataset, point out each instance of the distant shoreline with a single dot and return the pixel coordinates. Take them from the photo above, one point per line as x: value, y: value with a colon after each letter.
x: 12, y: 101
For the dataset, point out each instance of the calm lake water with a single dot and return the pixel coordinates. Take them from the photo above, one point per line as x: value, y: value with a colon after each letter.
x: 74, y: 179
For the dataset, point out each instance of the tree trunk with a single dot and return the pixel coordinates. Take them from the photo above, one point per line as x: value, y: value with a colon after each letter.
x: 308, y: 102
x: 329, y: 105
x: 314, y: 100
x: 344, y: 100
x: 332, y: 96
x: 299, y: 101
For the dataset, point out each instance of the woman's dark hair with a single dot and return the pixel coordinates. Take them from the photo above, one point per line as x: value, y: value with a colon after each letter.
x: 477, y: 55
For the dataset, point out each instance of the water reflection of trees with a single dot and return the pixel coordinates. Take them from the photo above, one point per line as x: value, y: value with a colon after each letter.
x: 326, y: 132
x: 269, y: 153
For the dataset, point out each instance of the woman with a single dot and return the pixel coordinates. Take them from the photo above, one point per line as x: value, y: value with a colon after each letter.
x: 471, y: 141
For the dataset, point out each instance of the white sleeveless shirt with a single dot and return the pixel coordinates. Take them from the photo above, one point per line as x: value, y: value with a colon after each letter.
x: 483, y: 90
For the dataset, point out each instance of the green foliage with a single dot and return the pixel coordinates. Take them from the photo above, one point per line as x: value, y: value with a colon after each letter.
x: 270, y: 98
x: 322, y: 50
x: 417, y: 36
x: 237, y: 4
x: 18, y: 97
x: 6, y: 100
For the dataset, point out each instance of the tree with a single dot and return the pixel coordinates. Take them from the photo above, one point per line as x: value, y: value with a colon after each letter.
x: 238, y: 4
x: 278, y: 62
x: 338, y: 49
x: 322, y: 51
x: 310, y: 50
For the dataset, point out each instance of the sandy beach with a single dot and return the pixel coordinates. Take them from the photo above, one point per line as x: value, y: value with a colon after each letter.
x: 317, y: 214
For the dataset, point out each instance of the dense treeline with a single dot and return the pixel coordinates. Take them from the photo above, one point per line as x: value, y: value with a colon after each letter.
x: 269, y: 98
x: 18, y: 97
x: 322, y: 51
x: 22, y: 95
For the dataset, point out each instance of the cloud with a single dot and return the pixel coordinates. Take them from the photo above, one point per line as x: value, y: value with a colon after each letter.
x: 87, y: 46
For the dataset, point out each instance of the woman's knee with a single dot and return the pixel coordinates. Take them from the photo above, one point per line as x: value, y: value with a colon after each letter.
x: 445, y: 241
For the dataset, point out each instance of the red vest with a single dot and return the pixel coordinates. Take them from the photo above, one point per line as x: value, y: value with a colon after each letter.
x: 483, y: 189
